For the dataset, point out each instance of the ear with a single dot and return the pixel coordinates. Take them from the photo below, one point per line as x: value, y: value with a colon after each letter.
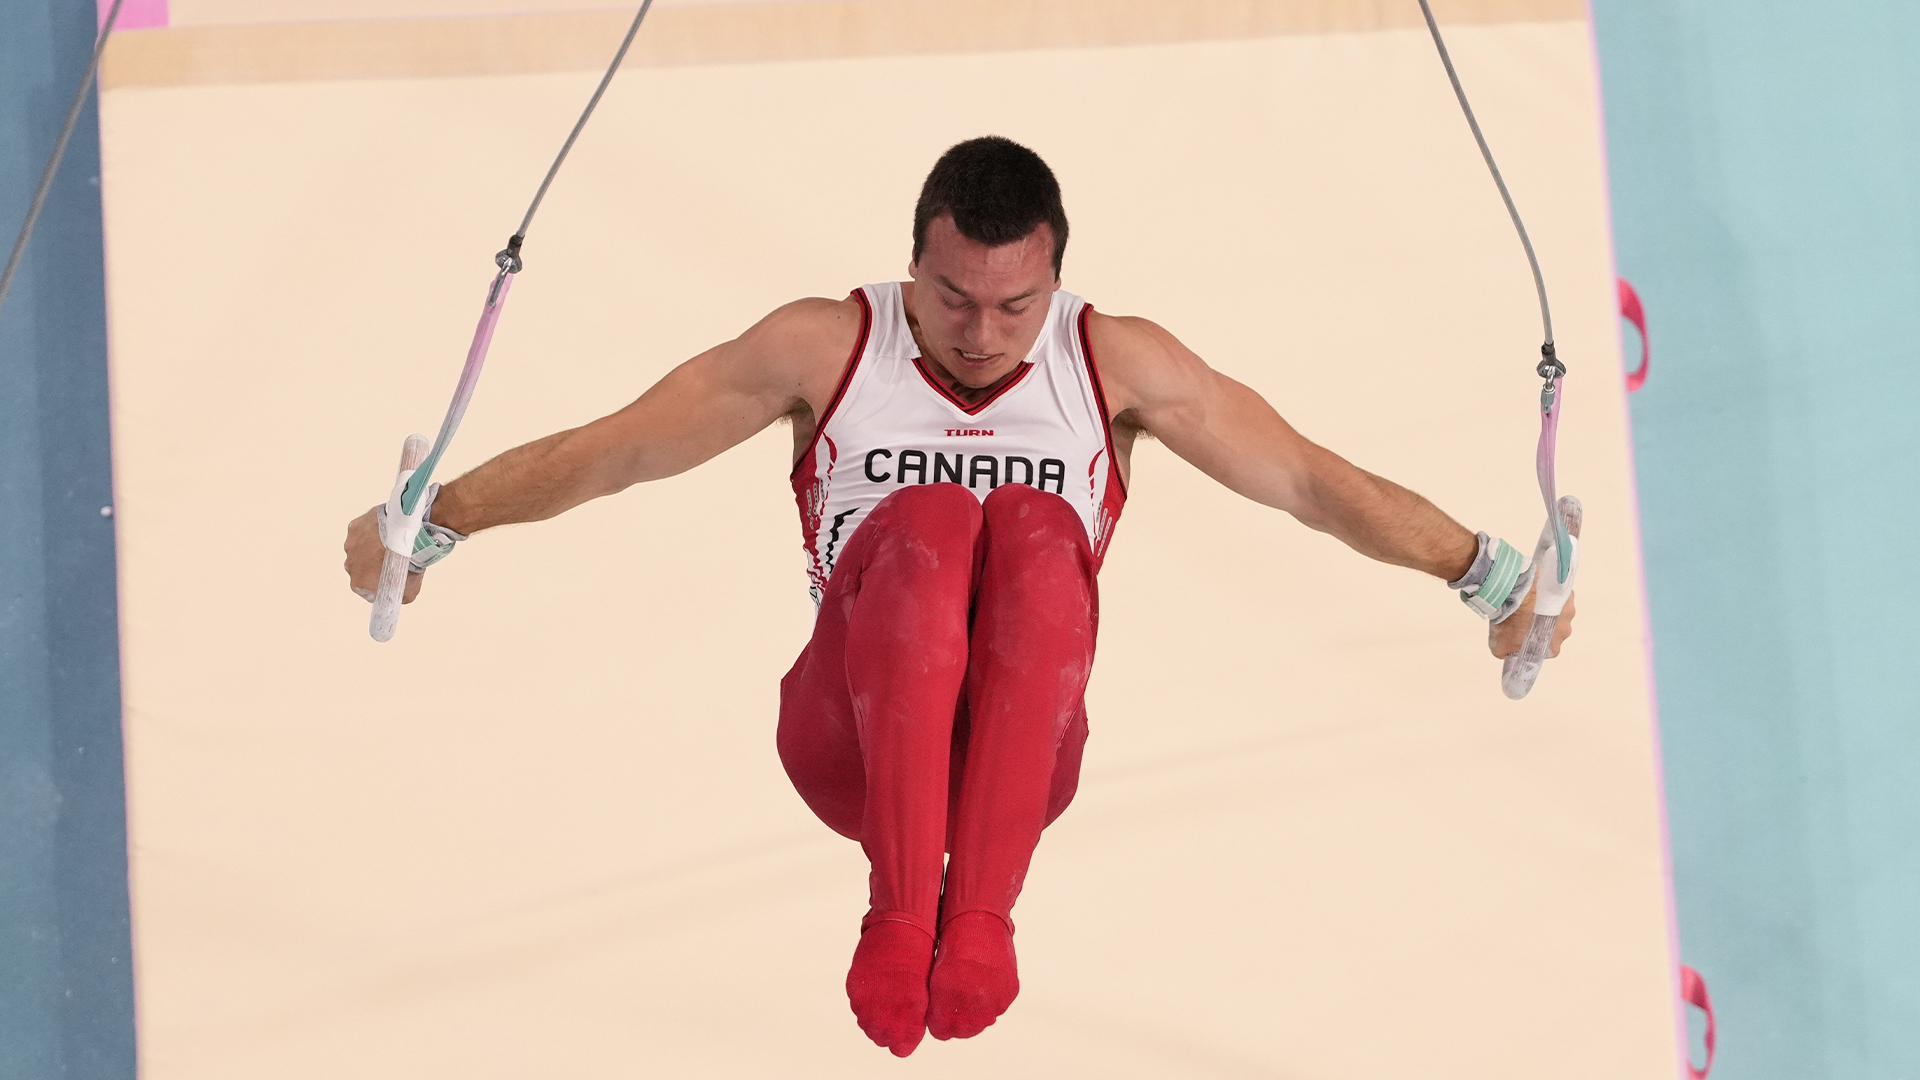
x: 913, y: 269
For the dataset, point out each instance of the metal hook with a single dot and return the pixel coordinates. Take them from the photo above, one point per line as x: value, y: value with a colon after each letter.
x: 509, y: 262
x: 1550, y: 367
x: 1551, y: 370
x: 508, y: 259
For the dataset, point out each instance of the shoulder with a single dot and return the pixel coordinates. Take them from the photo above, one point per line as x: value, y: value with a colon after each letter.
x: 811, y: 328
x: 797, y: 351
x: 1141, y: 363
x: 1128, y: 337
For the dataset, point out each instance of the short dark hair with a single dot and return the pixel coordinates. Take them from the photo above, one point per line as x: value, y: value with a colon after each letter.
x: 997, y: 191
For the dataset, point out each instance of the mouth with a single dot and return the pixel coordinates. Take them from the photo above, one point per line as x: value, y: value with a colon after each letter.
x: 976, y: 359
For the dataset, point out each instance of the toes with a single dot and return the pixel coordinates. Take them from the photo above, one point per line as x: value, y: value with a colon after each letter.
x: 887, y: 985
x: 974, y: 979
x: 962, y: 1003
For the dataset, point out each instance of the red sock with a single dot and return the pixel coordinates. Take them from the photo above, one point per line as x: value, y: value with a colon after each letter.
x: 887, y: 984
x: 975, y: 978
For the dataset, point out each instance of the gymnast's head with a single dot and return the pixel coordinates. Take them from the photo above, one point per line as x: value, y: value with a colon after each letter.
x: 989, y: 233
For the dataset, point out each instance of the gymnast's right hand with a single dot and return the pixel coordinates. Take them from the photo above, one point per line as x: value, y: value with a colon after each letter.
x: 365, y: 554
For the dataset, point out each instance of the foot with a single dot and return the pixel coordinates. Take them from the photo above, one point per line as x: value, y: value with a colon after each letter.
x: 975, y: 978
x: 887, y: 985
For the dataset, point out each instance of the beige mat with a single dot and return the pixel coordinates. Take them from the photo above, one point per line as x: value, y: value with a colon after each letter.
x: 544, y: 832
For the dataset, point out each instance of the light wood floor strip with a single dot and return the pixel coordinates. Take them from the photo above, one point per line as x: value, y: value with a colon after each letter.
x: 736, y: 34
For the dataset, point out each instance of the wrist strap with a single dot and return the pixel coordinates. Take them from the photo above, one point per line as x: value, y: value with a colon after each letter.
x: 433, y: 542
x: 1498, y: 581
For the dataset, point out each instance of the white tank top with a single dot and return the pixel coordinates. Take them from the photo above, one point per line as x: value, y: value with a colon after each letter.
x: 891, y: 423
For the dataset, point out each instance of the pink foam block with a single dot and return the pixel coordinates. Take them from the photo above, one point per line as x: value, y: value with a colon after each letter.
x: 136, y: 14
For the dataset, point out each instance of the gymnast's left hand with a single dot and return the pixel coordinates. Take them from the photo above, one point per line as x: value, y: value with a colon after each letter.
x: 365, y: 554
x: 1506, y: 637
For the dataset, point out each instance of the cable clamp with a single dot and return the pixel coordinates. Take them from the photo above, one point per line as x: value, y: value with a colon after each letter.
x: 1552, y: 370
x: 1550, y: 367
x: 508, y: 258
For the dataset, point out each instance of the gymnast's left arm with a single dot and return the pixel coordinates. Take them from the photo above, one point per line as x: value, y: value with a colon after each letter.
x: 1157, y: 386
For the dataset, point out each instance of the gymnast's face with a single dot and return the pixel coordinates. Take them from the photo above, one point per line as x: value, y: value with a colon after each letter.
x: 977, y: 310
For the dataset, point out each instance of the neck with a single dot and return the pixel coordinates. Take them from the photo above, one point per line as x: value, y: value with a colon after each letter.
x: 968, y: 394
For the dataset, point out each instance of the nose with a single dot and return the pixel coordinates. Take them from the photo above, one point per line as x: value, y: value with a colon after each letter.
x: 981, y: 333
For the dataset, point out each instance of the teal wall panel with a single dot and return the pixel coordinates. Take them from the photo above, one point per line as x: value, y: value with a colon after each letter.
x: 66, y: 978
x: 1765, y: 170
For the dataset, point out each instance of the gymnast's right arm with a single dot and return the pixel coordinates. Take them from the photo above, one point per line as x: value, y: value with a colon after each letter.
x: 782, y: 367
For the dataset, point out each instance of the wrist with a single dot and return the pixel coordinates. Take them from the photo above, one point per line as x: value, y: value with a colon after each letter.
x: 451, y: 512
x: 1498, y: 580
x: 1462, y: 557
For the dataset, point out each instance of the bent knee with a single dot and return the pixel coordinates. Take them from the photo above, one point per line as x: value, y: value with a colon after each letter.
x: 935, y: 516
x: 948, y: 503
x: 1016, y: 510
x: 1020, y: 500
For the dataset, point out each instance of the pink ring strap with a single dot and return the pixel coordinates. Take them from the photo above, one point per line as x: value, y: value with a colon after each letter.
x: 1634, y: 312
x: 1544, y: 456
x: 1693, y: 990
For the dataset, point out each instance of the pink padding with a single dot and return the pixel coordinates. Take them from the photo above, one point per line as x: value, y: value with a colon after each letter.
x: 1633, y: 312
x: 477, y: 351
x: 136, y: 14
x: 1547, y: 451
x: 1693, y: 990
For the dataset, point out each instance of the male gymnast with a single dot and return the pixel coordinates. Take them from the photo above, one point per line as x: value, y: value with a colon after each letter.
x: 961, y: 444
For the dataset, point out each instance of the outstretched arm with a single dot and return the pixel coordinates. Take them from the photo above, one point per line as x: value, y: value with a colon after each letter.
x: 778, y: 368
x: 1230, y: 433
x: 705, y: 406
x: 1159, y: 386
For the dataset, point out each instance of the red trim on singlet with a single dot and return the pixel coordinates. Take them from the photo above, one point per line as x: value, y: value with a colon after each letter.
x: 920, y: 365
x: 1099, y: 396
x: 846, y: 379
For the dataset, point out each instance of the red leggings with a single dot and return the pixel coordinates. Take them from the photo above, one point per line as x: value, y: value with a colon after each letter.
x: 940, y: 705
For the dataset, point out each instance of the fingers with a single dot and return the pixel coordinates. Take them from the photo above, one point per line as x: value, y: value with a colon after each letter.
x: 1501, y: 643
x: 1504, y: 638
x: 365, y: 554
x: 1563, y: 629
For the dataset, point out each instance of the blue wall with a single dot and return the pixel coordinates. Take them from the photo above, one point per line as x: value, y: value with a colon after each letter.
x: 66, y: 987
x: 1765, y: 159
